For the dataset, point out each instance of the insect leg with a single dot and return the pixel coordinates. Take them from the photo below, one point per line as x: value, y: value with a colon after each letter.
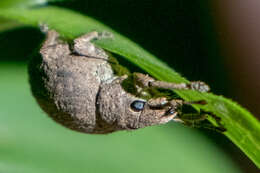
x: 52, y: 39
x: 83, y: 47
x: 216, y: 118
x: 147, y: 81
x: 157, y: 102
x: 207, y: 125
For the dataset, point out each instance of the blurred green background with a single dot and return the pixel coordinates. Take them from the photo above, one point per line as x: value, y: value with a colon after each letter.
x: 181, y: 34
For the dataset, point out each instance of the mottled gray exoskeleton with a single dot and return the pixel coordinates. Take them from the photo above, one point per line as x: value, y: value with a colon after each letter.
x: 75, y: 85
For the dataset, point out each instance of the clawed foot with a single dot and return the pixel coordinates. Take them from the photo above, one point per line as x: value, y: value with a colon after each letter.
x: 198, y: 86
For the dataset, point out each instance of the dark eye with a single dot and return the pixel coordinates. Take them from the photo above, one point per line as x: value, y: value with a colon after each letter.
x: 138, y: 105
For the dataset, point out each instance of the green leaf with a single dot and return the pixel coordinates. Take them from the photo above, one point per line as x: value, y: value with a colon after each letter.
x: 24, y: 3
x: 242, y: 128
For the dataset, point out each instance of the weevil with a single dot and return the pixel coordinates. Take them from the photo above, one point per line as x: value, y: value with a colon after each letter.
x: 76, y: 86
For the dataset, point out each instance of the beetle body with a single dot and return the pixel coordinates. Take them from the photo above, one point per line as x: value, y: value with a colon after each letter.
x: 77, y: 88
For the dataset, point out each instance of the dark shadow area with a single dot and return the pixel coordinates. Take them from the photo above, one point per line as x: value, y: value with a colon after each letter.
x: 17, y: 45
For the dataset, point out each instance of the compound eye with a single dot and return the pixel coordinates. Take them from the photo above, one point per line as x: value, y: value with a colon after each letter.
x: 137, y: 105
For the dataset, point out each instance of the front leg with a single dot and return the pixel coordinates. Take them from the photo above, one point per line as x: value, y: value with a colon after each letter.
x: 147, y: 81
x: 171, y: 109
x: 161, y: 103
x: 83, y: 46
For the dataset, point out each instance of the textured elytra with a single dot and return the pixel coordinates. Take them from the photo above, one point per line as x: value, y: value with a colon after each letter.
x: 66, y: 85
x: 77, y: 88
